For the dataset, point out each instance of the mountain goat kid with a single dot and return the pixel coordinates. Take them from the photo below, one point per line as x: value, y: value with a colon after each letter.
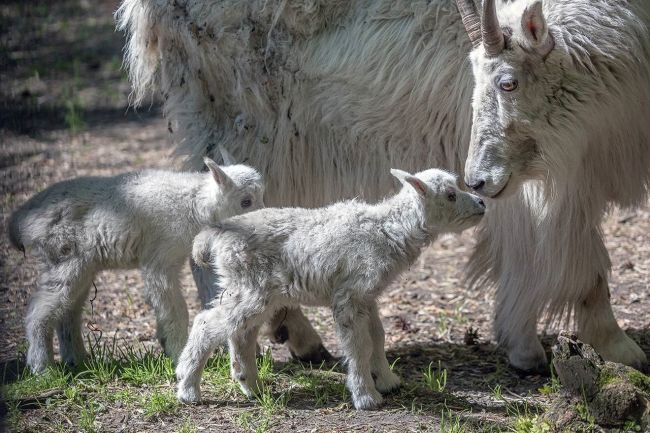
x: 143, y: 220
x: 342, y: 256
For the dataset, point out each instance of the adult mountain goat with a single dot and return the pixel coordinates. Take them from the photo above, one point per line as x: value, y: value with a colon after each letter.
x: 324, y: 96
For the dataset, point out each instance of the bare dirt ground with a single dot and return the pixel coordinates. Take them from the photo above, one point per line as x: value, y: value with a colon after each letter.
x: 64, y: 113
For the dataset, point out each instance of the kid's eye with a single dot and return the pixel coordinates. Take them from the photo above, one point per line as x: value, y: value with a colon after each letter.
x: 508, y: 85
x: 247, y: 202
x: 451, y: 196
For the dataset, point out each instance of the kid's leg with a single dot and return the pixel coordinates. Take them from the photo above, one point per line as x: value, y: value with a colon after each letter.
x: 352, y: 320
x: 163, y: 292
x: 56, y: 288
x: 243, y: 368
x: 385, y: 379
x: 69, y: 330
x: 208, y: 331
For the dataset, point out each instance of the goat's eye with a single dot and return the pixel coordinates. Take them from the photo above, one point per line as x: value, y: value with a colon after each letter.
x: 247, y: 202
x: 451, y: 196
x: 508, y: 85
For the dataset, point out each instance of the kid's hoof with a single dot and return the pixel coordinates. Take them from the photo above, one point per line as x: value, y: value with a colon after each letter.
x: 251, y: 391
x: 316, y: 356
x: 188, y: 395
x: 369, y: 401
x: 387, y: 382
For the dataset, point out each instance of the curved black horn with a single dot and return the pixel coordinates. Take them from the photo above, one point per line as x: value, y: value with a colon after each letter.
x: 471, y: 20
x: 493, y: 41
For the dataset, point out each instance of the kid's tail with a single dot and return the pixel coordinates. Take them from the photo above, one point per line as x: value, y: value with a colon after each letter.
x: 201, y: 247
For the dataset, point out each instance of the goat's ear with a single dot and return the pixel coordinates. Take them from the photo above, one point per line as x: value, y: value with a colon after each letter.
x: 405, y: 178
x: 399, y: 174
x: 227, y: 157
x: 416, y: 183
x: 533, y: 25
x: 219, y: 176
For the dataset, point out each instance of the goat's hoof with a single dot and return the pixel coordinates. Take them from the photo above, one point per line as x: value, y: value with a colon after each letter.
x: 529, y: 359
x: 369, y: 401
x: 623, y: 350
x: 387, y: 382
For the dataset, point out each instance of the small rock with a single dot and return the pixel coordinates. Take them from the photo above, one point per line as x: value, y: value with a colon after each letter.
x: 614, y: 394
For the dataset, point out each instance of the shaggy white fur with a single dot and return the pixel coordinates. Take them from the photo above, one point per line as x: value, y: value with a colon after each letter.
x: 341, y: 256
x: 143, y: 220
x: 325, y: 96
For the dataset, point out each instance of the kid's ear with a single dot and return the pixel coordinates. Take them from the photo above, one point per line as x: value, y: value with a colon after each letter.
x: 399, y: 174
x: 406, y: 177
x: 219, y: 176
x: 227, y: 157
x: 416, y: 183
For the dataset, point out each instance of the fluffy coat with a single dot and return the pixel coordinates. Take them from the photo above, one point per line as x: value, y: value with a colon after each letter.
x: 144, y: 220
x: 327, y: 95
x: 342, y: 256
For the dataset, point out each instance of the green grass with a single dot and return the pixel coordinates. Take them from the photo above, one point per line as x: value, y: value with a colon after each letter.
x: 188, y: 426
x: 88, y: 418
x: 147, y: 368
x: 451, y: 423
x: 435, y: 378
x: 29, y: 385
x: 553, y: 385
x: 160, y: 403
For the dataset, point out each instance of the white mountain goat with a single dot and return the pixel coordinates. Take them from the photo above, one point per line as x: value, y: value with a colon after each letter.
x: 327, y: 95
x: 342, y: 256
x: 143, y: 220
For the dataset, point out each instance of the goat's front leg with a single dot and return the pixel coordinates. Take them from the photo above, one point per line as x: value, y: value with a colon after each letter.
x: 163, y: 292
x: 385, y: 379
x: 597, y: 326
x: 352, y: 318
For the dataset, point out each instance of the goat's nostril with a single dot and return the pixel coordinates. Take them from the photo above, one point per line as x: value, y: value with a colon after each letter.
x: 480, y: 201
x: 476, y: 185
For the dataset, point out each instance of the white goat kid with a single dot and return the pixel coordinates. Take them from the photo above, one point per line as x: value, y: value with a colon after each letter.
x: 143, y: 220
x: 342, y: 256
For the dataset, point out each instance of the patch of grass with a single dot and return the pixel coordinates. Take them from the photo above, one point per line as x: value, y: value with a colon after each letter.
x: 217, y: 374
x: 529, y: 424
x: 73, y: 111
x: 147, y: 368
x: 160, y: 403
x: 446, y: 321
x: 631, y: 426
x: 451, y: 423
x: 253, y: 422
x: 125, y: 395
x: 497, y: 393
x: 435, y: 378
x: 13, y: 416
x: 265, y: 365
x: 325, y: 386
x: 552, y: 386
x: 188, y: 426
x: 33, y: 385
x: 73, y: 118
x: 88, y: 418
x: 269, y: 403
x: 583, y: 412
